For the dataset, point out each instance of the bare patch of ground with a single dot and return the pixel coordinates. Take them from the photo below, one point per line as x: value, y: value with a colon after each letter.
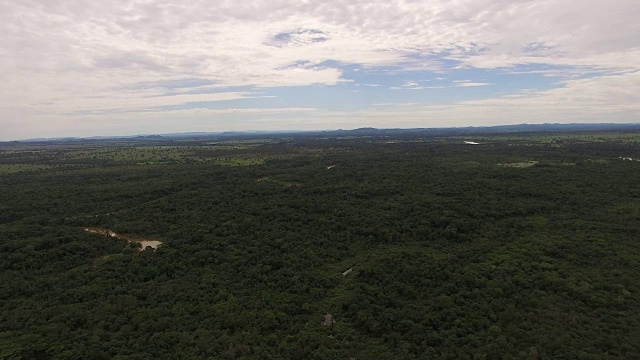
x: 521, y: 165
x: 152, y: 243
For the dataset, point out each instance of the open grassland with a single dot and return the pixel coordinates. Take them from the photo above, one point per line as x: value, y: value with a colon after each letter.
x: 560, y: 139
x: 226, y: 154
x: 14, y: 168
x: 258, y: 152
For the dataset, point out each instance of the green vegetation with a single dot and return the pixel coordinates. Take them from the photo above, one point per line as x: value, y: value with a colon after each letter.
x: 13, y: 168
x: 457, y: 252
x: 563, y: 138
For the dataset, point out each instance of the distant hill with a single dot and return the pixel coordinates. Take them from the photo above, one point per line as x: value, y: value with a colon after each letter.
x: 365, y: 131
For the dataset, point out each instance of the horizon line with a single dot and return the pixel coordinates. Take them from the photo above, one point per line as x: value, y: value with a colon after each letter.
x: 294, y: 131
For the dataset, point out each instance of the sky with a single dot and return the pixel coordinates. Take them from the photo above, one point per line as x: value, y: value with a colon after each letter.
x: 124, y: 67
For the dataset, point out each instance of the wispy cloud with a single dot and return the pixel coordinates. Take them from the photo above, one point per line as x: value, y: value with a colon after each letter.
x: 472, y: 84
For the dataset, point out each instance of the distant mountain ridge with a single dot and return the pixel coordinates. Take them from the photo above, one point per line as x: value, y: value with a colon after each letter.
x: 518, y: 128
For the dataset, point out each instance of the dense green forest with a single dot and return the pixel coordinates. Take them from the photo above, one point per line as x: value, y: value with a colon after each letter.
x: 523, y: 246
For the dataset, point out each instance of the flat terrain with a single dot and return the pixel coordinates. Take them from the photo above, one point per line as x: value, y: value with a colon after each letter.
x: 525, y: 243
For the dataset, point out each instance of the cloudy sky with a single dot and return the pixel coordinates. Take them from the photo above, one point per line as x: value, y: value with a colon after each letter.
x: 118, y: 67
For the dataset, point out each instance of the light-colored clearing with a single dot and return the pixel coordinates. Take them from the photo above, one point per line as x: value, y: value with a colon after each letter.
x: 626, y: 158
x: 520, y: 165
x: 152, y: 243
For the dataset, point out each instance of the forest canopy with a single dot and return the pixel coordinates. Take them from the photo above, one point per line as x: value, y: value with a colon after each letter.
x: 419, y: 245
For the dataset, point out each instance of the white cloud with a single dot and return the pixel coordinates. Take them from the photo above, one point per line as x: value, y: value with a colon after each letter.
x: 410, y: 84
x: 243, y: 43
x: 472, y: 84
x: 65, y: 56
